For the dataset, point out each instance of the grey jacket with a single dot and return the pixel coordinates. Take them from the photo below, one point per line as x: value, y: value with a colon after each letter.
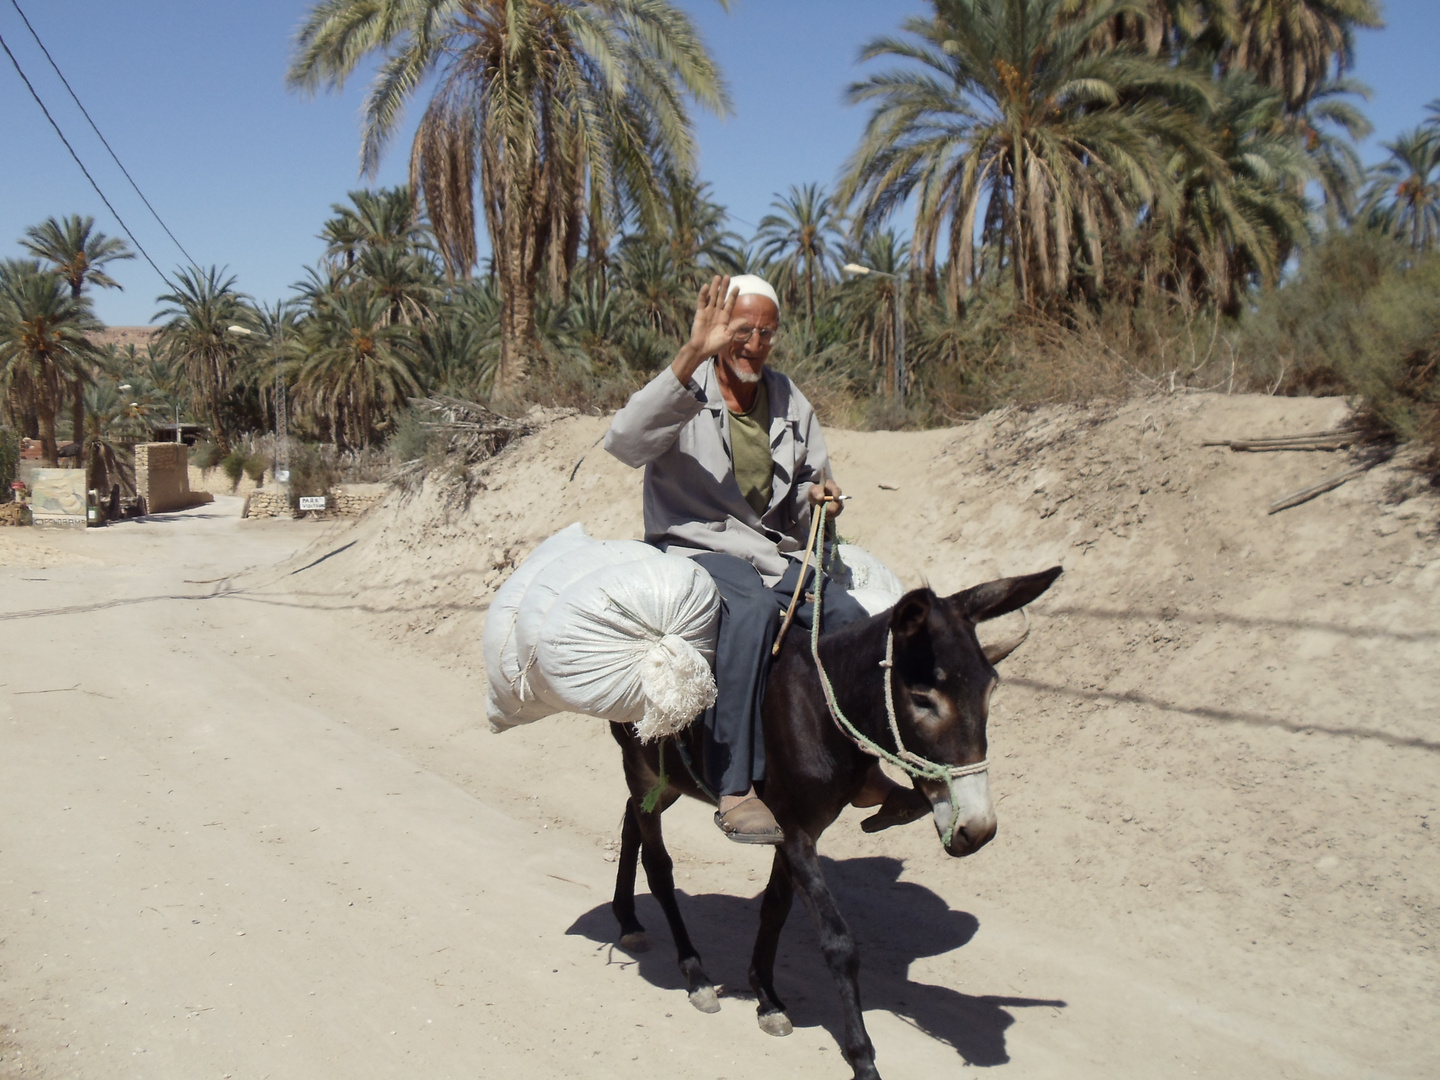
x: 681, y: 434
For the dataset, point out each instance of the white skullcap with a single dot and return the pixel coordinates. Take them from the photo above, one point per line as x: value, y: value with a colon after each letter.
x: 754, y: 285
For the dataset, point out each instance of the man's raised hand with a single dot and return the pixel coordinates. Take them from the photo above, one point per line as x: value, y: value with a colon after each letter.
x: 714, y: 307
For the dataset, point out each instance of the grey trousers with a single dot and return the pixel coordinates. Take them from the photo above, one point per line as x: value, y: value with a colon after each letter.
x: 733, y: 746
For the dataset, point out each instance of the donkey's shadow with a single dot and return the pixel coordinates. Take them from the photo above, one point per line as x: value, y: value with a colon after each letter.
x: 895, y: 923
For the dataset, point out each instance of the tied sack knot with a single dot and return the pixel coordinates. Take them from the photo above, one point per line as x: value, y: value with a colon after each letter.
x: 678, y: 685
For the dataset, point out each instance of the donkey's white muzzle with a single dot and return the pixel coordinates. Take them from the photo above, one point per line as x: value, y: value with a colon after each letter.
x: 972, y: 814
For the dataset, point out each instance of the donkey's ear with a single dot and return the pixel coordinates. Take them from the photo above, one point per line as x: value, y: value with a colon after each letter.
x: 909, y: 616
x: 1004, y: 595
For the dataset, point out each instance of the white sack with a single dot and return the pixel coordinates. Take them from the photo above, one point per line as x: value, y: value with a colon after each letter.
x: 613, y: 628
x: 556, y: 576
x: 632, y: 643
x: 873, y: 584
x: 502, y: 655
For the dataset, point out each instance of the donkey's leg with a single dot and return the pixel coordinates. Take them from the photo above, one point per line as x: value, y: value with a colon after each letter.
x: 774, y: 909
x: 659, y: 872
x: 632, y: 933
x: 837, y: 944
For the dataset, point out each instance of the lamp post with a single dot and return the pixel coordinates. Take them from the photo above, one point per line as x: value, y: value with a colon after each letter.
x: 281, y: 463
x: 900, y: 381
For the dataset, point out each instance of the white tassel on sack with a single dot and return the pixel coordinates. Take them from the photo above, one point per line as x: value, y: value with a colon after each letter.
x: 678, y: 686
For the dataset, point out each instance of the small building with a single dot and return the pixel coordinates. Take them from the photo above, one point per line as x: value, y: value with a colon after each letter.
x: 190, y: 434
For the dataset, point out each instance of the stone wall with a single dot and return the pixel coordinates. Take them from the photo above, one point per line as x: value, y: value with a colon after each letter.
x: 216, y: 482
x: 269, y: 503
x: 162, y: 477
x: 343, y: 500
x: 352, y: 500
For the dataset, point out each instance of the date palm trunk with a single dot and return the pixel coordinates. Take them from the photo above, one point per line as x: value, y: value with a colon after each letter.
x: 519, y: 196
x: 77, y: 414
x: 49, y: 451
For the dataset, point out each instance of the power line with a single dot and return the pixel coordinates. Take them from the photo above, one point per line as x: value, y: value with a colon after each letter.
x: 24, y: 78
x: 15, y: 4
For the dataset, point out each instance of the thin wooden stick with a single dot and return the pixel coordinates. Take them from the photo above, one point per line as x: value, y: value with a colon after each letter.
x: 799, y: 585
x: 1295, y: 498
x: 1316, y: 440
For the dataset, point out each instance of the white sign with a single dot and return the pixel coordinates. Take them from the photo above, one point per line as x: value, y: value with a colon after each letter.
x: 282, y: 476
x: 312, y: 502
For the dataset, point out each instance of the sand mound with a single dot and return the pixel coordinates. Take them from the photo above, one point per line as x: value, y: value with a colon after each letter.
x: 1216, y: 755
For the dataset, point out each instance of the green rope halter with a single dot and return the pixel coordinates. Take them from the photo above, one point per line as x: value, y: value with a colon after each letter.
x: 911, y: 764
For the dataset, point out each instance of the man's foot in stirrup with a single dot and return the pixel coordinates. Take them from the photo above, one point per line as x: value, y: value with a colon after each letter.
x: 747, y: 820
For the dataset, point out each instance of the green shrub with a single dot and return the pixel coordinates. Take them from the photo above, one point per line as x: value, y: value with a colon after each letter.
x: 413, y: 441
x: 205, y: 455
x: 1362, y: 317
x: 233, y: 465
x: 255, y: 466
x: 314, y: 470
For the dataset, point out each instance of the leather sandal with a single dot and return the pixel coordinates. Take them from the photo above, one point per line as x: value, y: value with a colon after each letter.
x: 750, y: 822
x: 901, y: 806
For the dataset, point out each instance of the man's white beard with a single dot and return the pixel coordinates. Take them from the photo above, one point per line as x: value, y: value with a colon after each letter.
x: 750, y: 378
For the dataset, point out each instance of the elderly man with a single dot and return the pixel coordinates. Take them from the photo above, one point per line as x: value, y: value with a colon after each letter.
x: 735, y: 463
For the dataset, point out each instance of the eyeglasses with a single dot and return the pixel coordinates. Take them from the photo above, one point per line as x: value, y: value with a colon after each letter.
x: 767, y: 335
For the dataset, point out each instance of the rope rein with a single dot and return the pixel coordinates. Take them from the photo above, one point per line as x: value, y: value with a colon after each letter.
x: 906, y: 761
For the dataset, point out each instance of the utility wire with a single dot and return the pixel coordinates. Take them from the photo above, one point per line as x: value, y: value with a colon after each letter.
x: 15, y: 4
x: 21, y: 71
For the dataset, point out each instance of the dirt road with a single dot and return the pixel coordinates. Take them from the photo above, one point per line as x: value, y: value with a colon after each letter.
x: 241, y: 836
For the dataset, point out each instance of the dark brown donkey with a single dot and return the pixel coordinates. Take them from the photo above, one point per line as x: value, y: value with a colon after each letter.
x: 941, y: 680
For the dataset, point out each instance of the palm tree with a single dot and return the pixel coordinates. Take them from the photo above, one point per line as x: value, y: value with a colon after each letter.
x: 462, y: 348
x: 1329, y: 127
x: 1291, y: 46
x: 111, y: 420
x: 1295, y: 46
x: 43, y: 346
x: 358, y: 367
x: 195, y: 338
x: 384, y: 219
x: 598, y: 325
x: 662, y: 298
x: 696, y: 230
x: 1008, y: 118
x: 79, y: 255
x: 1242, y: 199
x: 1159, y: 28
x: 269, y: 358
x: 565, y: 108
x: 1403, y: 196
x: 802, y: 239
x: 867, y: 304
x: 407, y: 281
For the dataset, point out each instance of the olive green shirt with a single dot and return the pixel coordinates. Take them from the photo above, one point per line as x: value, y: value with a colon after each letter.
x: 750, y: 451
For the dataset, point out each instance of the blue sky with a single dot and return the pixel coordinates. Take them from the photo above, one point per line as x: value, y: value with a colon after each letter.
x: 192, y: 97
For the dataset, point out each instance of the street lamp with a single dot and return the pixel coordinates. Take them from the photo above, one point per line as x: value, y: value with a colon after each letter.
x: 900, y: 380
x: 282, y: 459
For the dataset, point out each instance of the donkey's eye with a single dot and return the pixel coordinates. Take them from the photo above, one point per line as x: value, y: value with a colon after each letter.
x: 923, y: 699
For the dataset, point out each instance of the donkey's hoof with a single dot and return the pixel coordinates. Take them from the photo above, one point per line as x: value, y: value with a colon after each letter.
x: 636, y: 942
x: 705, y: 999
x: 775, y: 1023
